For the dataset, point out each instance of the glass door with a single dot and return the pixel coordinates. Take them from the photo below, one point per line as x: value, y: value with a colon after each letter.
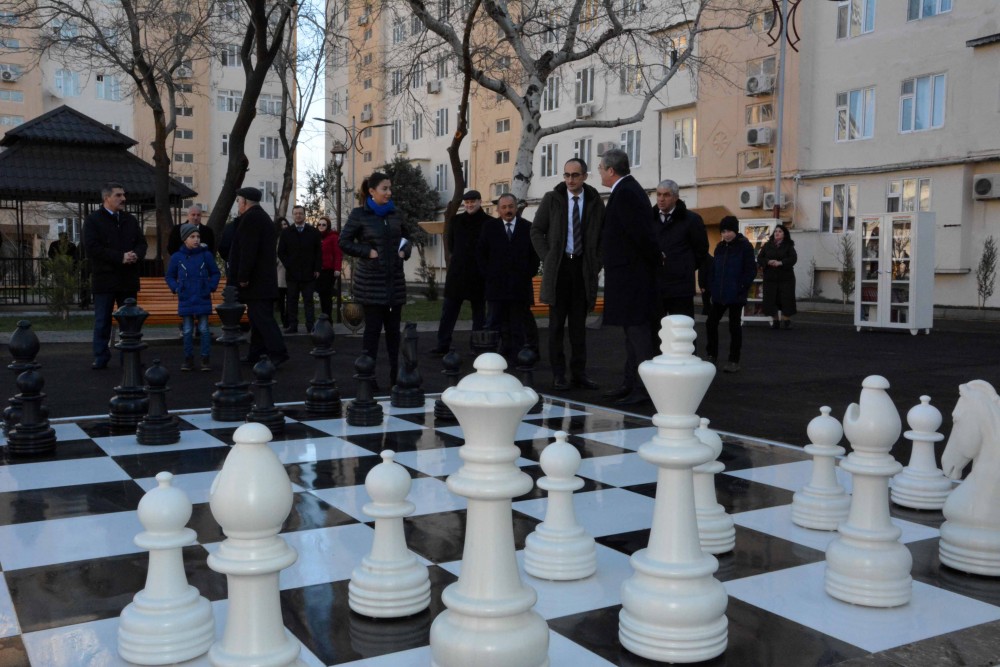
x: 899, y: 290
x: 871, y: 254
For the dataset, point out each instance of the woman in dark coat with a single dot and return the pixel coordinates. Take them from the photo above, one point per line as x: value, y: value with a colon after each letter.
x: 732, y: 273
x: 777, y: 258
x: 375, y: 233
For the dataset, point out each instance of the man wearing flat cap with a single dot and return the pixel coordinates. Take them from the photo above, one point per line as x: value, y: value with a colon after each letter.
x: 252, y: 268
x: 464, y: 281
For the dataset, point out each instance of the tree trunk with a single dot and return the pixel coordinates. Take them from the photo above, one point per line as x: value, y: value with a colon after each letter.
x: 531, y: 134
x: 161, y: 185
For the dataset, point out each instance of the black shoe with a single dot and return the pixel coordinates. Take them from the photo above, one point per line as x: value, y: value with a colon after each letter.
x: 621, y: 391
x: 585, y: 382
x: 278, y: 359
x: 99, y: 364
x: 633, y: 398
x: 249, y: 360
x: 560, y: 383
x: 786, y: 324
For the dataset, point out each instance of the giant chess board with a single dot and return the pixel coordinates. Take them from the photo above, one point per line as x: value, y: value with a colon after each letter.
x: 70, y: 565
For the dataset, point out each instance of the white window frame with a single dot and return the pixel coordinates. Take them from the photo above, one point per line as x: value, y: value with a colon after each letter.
x: 441, y: 122
x: 184, y: 133
x: 909, y: 102
x: 850, y: 105
x: 549, y: 159
x: 270, y: 148
x: 8, y: 120
x: 855, y: 18
x: 228, y: 100
x: 502, y: 157
x: 396, y: 132
x: 907, y: 195
x: 184, y: 158
x: 503, y: 125
x: 67, y: 82
x: 229, y: 55
x: 759, y: 112
x: 225, y: 144
x: 417, y: 75
x: 685, y: 136
x: 269, y: 104
x: 585, y: 86
x: 582, y: 149
x: 915, y: 9
x: 398, y: 30
x: 631, y: 143
x: 441, y: 177
x: 107, y: 87
x: 417, y: 127
x: 550, y: 93
x: 847, y: 195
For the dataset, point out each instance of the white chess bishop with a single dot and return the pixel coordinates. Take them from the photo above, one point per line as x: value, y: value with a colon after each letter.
x: 822, y: 504
x: 716, y: 529
x: 921, y: 485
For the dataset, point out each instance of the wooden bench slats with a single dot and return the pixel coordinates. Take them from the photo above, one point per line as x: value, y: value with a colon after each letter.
x: 156, y: 299
x: 540, y: 308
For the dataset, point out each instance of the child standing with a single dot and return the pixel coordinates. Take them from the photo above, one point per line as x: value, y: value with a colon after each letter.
x: 193, y: 276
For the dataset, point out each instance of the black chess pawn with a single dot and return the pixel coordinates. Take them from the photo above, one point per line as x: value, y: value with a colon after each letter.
x: 407, y: 392
x: 452, y: 363
x: 32, y: 436
x: 364, y: 410
x: 263, y: 411
x: 23, y: 346
x: 231, y: 399
x: 158, y: 427
x: 323, y: 396
x: 130, y: 403
x: 483, y: 341
x: 526, y: 360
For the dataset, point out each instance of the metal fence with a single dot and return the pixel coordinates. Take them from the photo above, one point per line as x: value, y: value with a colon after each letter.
x: 24, y: 281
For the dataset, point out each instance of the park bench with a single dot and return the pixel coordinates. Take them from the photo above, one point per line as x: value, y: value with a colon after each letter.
x: 156, y: 299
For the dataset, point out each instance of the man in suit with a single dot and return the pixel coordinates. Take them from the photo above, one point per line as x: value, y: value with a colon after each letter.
x: 252, y: 267
x: 300, y: 249
x: 631, y: 257
x: 508, y: 263
x: 683, y: 244
x: 566, y: 235
x: 115, y: 246
x: 204, y: 231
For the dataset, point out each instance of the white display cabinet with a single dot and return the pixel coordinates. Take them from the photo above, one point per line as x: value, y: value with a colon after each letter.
x: 894, y: 272
x: 757, y: 231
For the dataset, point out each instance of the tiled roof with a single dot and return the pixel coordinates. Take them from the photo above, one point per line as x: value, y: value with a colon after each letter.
x: 66, y: 126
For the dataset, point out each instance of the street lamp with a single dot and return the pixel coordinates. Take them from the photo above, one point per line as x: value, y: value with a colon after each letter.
x: 338, y: 151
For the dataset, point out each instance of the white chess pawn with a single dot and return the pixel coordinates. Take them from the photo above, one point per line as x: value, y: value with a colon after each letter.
x: 716, y: 529
x: 168, y: 621
x: 250, y: 499
x: 822, y: 504
x: 390, y: 582
x: 922, y: 485
x: 559, y: 549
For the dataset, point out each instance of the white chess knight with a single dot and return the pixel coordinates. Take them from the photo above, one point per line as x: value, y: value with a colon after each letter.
x: 921, y: 485
x: 390, y: 582
x: 970, y: 535
x: 866, y: 564
x: 822, y: 504
x: 168, y: 621
x: 716, y: 529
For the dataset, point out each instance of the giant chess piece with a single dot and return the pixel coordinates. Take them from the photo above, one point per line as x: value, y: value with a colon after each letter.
x: 168, y: 621
x: 866, y: 564
x: 323, y: 396
x: 231, y: 399
x: 130, y: 403
x: 970, y: 535
x: 716, y: 529
x: 32, y: 436
x: 822, y: 504
x: 407, y: 392
x: 673, y: 609
x: 921, y: 485
x: 23, y: 346
x: 158, y: 427
x: 390, y: 582
x: 484, y: 340
x: 250, y: 499
x: 263, y: 410
x: 526, y: 360
x: 489, y: 618
x: 452, y: 363
x: 559, y: 549
x: 364, y: 410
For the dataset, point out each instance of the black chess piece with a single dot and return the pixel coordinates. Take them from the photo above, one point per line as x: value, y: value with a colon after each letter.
x: 483, y: 340
x: 263, y: 411
x: 526, y: 360
x: 407, y: 392
x: 130, y: 403
x: 452, y: 363
x: 158, y: 427
x: 364, y: 410
x: 231, y: 399
x: 32, y: 436
x: 23, y: 346
x: 323, y: 396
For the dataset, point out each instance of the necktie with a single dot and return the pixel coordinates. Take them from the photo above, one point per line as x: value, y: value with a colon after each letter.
x: 577, y: 227
x: 663, y: 217
x: 510, y: 230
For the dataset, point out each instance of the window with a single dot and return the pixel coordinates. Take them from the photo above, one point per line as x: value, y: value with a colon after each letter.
x: 185, y: 87
x: 856, y: 114
x: 186, y: 180
x: 441, y: 123
x: 550, y: 94
x: 270, y: 148
x: 10, y: 43
x: 65, y: 30
x: 366, y: 157
x: 585, y: 86
x: 397, y: 82
x: 630, y: 143
x: 8, y: 18
x: 398, y: 31
x: 269, y: 104
x: 336, y: 105
x: 225, y: 144
x: 550, y: 23
x: 229, y: 55
x: 838, y: 208
x: 270, y: 190
x: 589, y: 14
x: 441, y: 177
x: 367, y: 84
x: 550, y: 156
x: 11, y: 96
x: 501, y: 188
x: 922, y: 9
x: 908, y: 195
x: 631, y: 7
x: 114, y: 126
x: 581, y: 149
x: 503, y: 157
x: 444, y: 9
x: 71, y: 227
x: 762, y: 66
x: 755, y: 158
x: 684, y: 137
x: 367, y: 59
x: 67, y: 83
x: 921, y: 103
x: 417, y: 127
x: 367, y: 133
x: 442, y: 68
x: 761, y: 22
x: 367, y: 35
x: 185, y: 134
x: 417, y: 75
x: 465, y: 168
x: 503, y: 125
x: 855, y: 17
x: 13, y: 69
x: 185, y: 112
x: 229, y: 10
x: 416, y: 25
x: 759, y: 113
x: 629, y: 76
x: 396, y: 132
x: 10, y: 121
x: 229, y: 100
x: 184, y: 157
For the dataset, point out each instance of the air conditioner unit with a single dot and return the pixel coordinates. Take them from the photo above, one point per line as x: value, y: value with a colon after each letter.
x: 984, y: 186
x: 605, y: 146
x: 769, y: 201
x: 363, y: 19
x: 584, y: 110
x: 183, y: 72
x: 750, y: 196
x: 366, y: 116
x: 759, y: 84
x: 433, y: 86
x: 402, y: 147
x: 9, y: 76
x: 758, y: 136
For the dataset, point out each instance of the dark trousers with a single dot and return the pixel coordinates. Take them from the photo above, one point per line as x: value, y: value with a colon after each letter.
x: 450, y: 309
x: 570, y: 306
x: 511, y: 319
x: 735, y: 311
x: 104, y: 305
x: 325, y: 285
x: 376, y: 319
x: 638, y: 348
x: 265, y: 336
x: 280, y: 305
x: 306, y: 288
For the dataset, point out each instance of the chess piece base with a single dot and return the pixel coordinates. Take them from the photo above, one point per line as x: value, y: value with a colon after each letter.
x: 158, y: 632
x: 364, y: 415
x: 31, y: 442
x: 442, y: 412
x: 461, y: 640
x: 389, y: 590
x: 554, y: 557
x: 716, y: 530
x: 920, y: 491
x: 868, y: 572
x: 818, y: 510
x: 157, y: 432
x: 407, y: 398
x: 970, y: 549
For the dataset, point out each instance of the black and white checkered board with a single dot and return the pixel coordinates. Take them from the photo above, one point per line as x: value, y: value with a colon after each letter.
x: 70, y: 565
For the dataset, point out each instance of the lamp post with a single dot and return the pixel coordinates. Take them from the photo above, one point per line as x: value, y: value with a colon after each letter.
x: 338, y: 151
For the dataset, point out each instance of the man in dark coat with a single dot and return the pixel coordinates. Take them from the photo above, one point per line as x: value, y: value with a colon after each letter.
x: 464, y: 281
x: 683, y: 244
x: 508, y: 263
x: 115, y: 245
x: 566, y: 234
x: 204, y: 231
x: 631, y: 257
x: 733, y: 271
x: 300, y: 249
x: 252, y: 267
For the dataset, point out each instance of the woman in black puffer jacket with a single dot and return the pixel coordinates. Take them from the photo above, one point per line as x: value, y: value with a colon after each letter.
x: 376, y: 234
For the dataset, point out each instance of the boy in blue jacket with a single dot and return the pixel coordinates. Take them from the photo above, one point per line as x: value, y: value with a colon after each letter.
x: 193, y: 276
x: 733, y: 270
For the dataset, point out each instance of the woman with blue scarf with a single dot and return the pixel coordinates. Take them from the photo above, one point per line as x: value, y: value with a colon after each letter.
x: 375, y: 233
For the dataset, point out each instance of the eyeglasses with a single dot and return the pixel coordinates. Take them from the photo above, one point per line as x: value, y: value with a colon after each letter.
x: 573, y: 175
